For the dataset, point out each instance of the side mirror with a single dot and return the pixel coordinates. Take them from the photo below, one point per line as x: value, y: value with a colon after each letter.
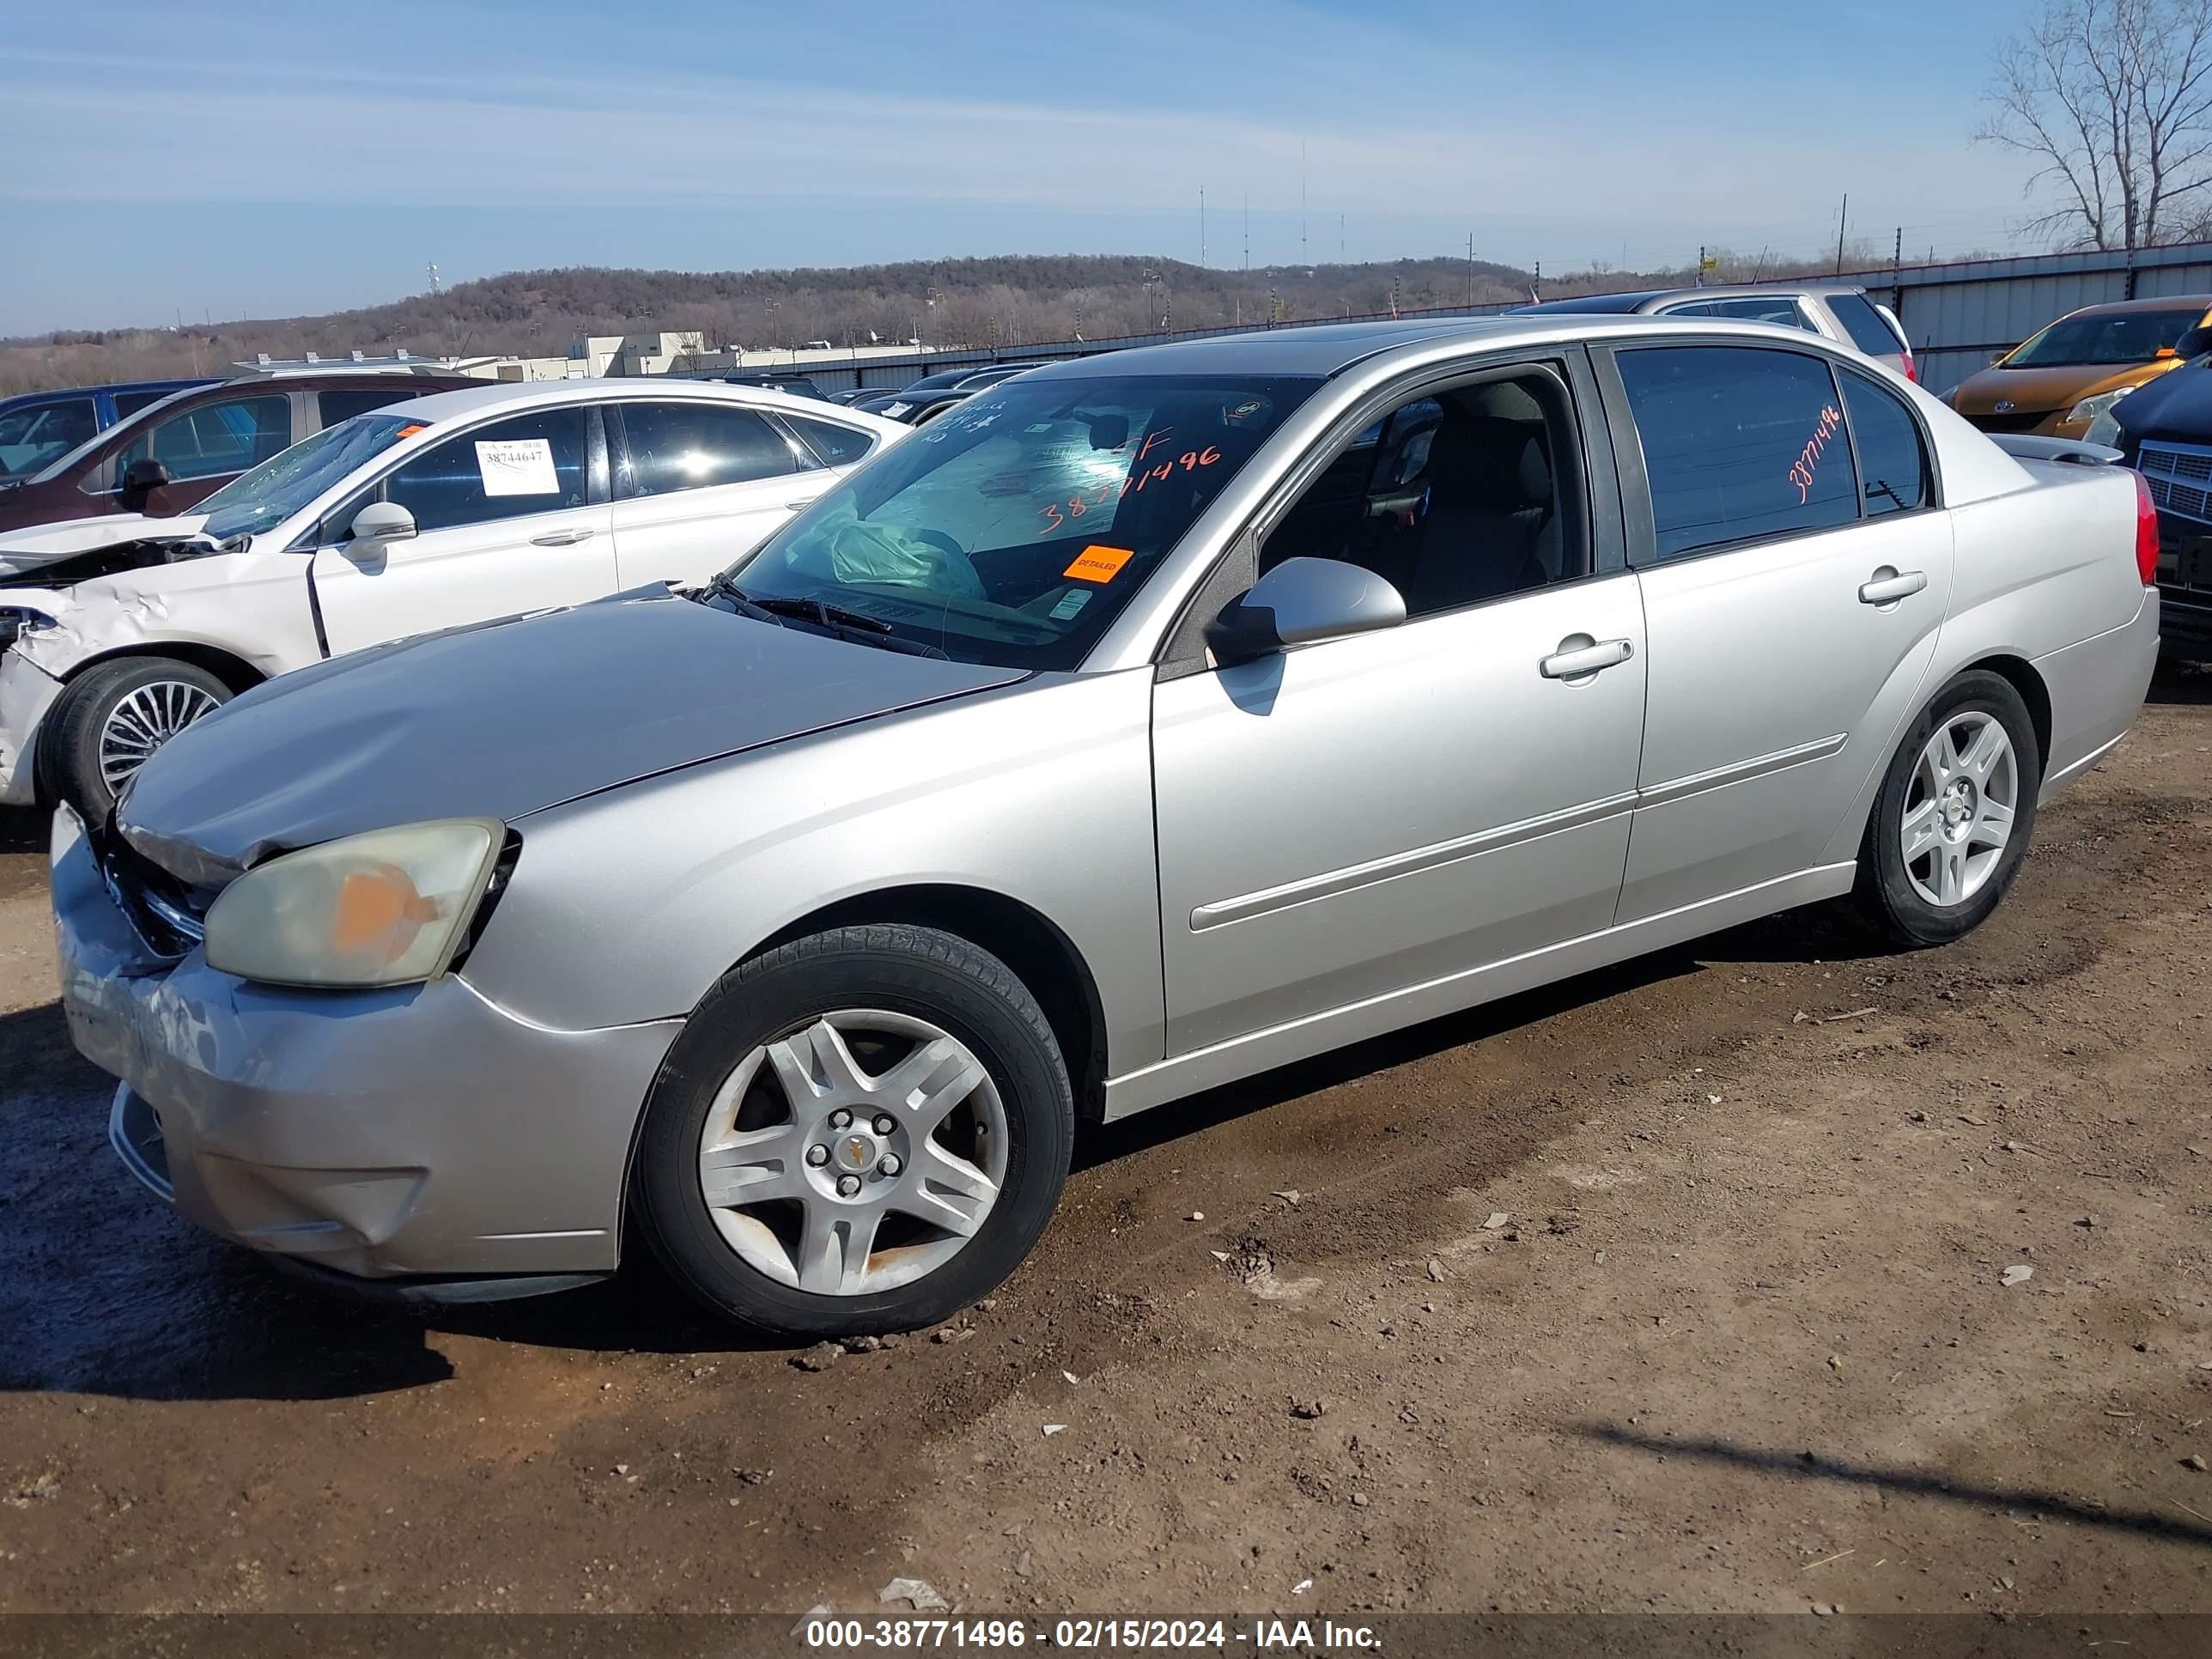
x: 1300, y: 601
x: 378, y: 523
x: 2195, y: 343
x: 140, y: 480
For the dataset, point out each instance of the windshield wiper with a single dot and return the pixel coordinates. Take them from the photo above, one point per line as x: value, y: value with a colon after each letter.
x: 818, y: 610
x: 854, y: 626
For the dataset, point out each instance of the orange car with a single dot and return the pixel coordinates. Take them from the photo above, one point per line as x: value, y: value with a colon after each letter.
x: 2065, y: 376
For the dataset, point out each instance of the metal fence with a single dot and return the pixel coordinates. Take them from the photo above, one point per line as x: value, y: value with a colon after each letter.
x: 1957, y: 317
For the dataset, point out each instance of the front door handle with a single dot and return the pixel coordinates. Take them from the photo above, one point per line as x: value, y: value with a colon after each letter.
x: 1579, y: 656
x: 561, y: 538
x: 793, y: 506
x: 1888, y: 584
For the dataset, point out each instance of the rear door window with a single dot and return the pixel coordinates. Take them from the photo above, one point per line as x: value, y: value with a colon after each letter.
x: 1740, y: 443
x: 682, y: 446
x: 532, y: 464
x: 128, y: 403
x: 1868, y: 330
x: 1775, y: 308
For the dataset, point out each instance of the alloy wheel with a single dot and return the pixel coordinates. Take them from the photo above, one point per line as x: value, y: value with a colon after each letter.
x: 855, y: 1153
x: 1960, y: 808
x: 143, y: 719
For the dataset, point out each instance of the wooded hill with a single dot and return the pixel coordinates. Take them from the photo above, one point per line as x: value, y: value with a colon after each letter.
x: 1003, y: 302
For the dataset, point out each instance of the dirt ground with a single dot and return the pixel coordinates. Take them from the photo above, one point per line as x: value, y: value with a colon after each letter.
x: 1683, y: 1287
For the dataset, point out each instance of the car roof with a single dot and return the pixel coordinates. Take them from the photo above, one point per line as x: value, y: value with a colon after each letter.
x: 1330, y: 349
x: 179, y: 384
x: 1322, y: 349
x: 541, y: 394
x: 1637, y: 299
x: 2169, y: 302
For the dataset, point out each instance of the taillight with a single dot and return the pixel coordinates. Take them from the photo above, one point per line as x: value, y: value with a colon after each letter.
x: 1911, y: 369
x: 2146, y: 532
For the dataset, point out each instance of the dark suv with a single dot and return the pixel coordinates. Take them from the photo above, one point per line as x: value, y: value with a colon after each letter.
x: 170, y: 454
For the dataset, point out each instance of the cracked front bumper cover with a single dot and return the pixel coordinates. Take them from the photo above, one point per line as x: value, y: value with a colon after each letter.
x: 27, y: 692
x: 416, y: 1133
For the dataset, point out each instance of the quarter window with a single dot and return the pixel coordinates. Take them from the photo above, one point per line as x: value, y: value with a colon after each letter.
x: 532, y: 464
x: 1892, y: 461
x: 1453, y: 499
x: 214, y: 439
x: 1740, y: 443
x: 836, y: 445
x: 674, y: 447
x: 1866, y: 326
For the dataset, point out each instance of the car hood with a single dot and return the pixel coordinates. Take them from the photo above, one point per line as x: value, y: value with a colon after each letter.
x: 2031, y: 390
x: 27, y: 549
x: 503, y: 719
x: 2176, y: 407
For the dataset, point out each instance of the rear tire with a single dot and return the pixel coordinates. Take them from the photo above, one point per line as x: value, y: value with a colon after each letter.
x: 110, y: 723
x: 957, y: 1126
x: 1951, y: 824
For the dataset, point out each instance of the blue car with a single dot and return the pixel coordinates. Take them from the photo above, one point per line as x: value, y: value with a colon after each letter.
x: 40, y: 426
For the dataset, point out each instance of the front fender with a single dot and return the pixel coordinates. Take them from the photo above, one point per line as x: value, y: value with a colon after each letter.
x: 629, y: 905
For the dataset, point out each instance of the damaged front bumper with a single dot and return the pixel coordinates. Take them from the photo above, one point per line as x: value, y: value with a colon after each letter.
x: 420, y: 1137
x: 27, y: 692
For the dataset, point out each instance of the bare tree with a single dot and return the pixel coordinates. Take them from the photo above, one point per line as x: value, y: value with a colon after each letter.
x: 2112, y: 99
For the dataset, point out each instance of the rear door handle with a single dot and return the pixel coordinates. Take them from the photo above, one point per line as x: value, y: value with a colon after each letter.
x: 561, y: 537
x: 793, y: 506
x: 1889, y: 585
x: 1579, y: 655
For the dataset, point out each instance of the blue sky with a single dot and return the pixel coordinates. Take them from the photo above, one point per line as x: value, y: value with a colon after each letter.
x: 234, y: 159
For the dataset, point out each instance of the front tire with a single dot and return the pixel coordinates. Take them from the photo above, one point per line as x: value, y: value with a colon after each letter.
x: 1951, y: 824
x: 111, y: 721
x: 859, y: 1131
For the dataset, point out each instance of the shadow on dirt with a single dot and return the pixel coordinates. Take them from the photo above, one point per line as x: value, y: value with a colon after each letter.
x: 2181, y: 685
x: 1810, y: 1466
x: 104, y: 1290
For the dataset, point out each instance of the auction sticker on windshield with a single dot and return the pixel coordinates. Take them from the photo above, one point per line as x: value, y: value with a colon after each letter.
x: 1099, y: 564
x: 518, y: 466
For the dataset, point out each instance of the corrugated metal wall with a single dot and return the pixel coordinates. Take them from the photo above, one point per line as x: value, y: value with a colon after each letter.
x: 1957, y: 316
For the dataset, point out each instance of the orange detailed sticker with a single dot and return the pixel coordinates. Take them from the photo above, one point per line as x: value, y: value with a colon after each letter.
x: 1099, y: 564
x: 409, y: 430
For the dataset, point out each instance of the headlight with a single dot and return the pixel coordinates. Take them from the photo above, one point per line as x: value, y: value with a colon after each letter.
x: 16, y: 621
x: 2090, y: 408
x: 387, y: 908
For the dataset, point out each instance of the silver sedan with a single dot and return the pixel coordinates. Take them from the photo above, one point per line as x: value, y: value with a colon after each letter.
x: 1144, y: 723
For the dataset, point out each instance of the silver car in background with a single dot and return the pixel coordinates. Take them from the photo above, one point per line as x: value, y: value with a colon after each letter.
x: 1842, y: 312
x: 1147, y: 722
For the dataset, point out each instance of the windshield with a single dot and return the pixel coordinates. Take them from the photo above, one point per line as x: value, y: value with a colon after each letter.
x: 127, y: 424
x: 1015, y: 527
x: 272, y: 492
x: 2116, y: 337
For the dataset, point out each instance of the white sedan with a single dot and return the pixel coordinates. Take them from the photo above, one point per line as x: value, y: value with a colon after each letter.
x: 449, y: 510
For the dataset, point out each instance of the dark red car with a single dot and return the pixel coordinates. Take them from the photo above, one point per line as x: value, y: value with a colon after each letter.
x: 172, y: 453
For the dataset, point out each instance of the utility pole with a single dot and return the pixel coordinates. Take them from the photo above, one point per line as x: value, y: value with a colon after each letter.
x: 1339, y: 239
x: 1470, y: 269
x: 1247, y: 230
x: 1842, y: 219
x: 1302, y: 201
x: 1701, y: 264
x: 1201, y: 227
